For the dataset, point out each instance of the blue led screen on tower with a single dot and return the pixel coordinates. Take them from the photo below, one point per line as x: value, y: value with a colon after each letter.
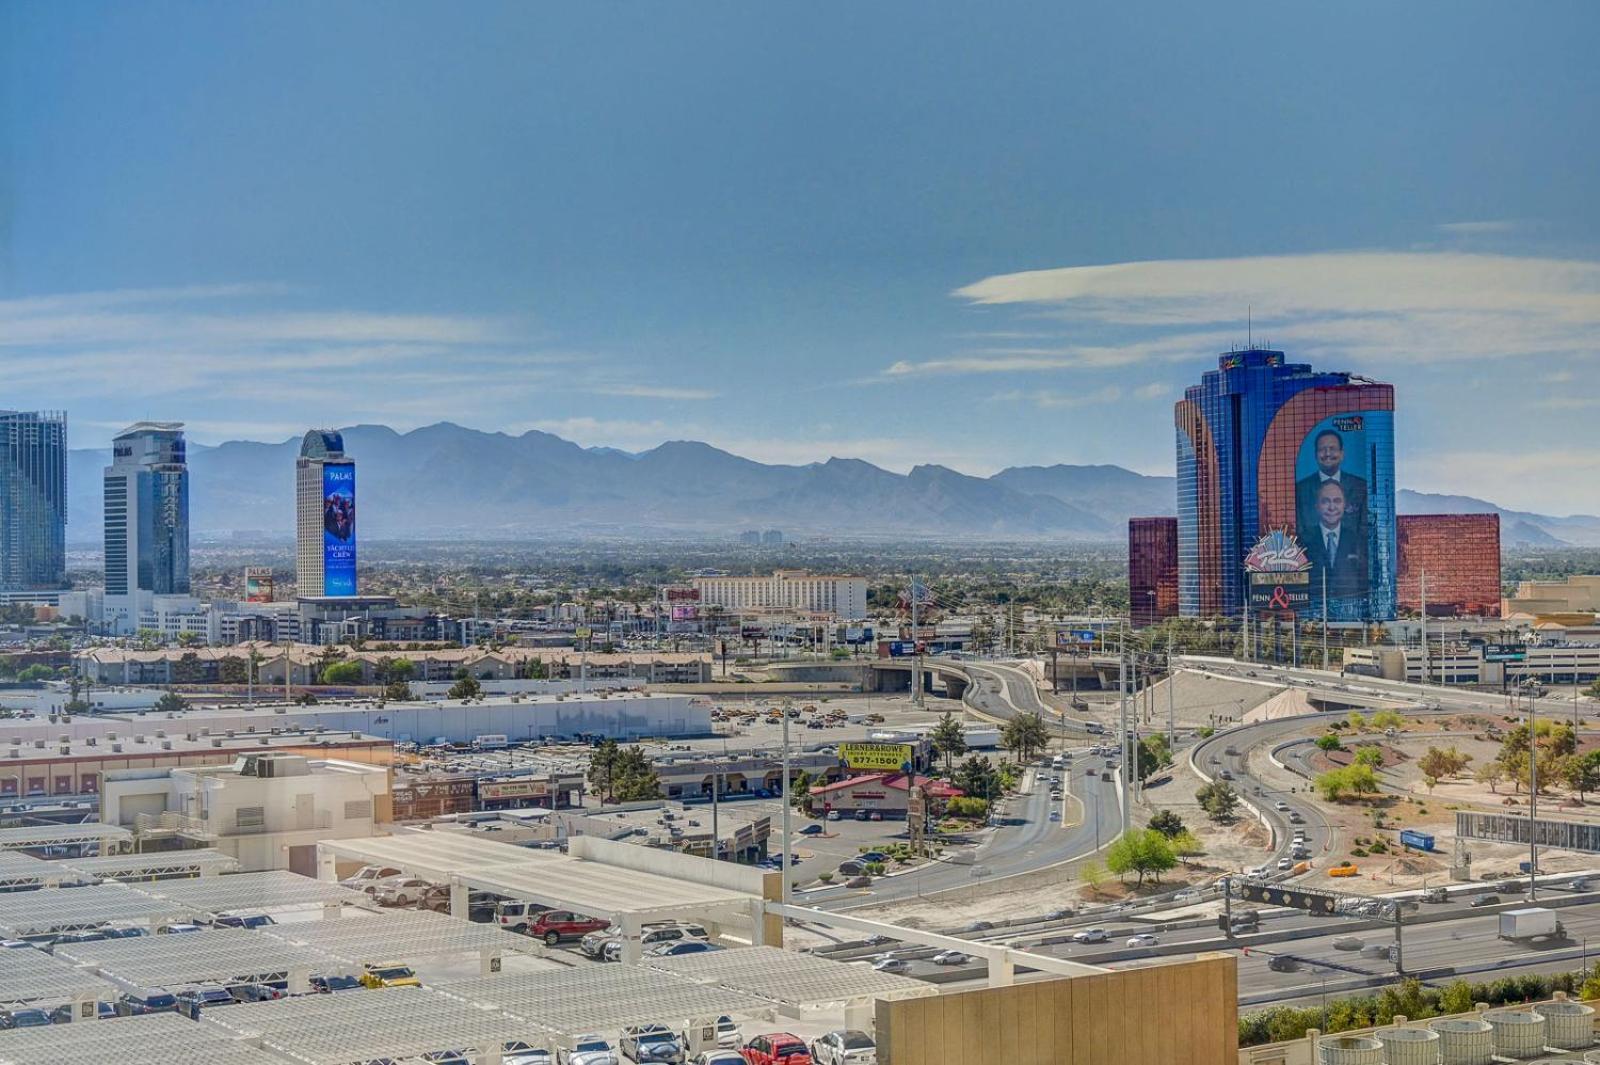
x: 338, y: 529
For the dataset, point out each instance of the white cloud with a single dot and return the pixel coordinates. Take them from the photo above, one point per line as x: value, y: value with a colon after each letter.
x: 1469, y: 229
x: 655, y: 392
x: 1363, y: 305
x: 1520, y: 480
x: 1049, y: 399
x: 1153, y: 390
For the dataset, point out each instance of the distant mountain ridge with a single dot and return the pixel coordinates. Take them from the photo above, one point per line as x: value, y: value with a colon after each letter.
x: 444, y: 480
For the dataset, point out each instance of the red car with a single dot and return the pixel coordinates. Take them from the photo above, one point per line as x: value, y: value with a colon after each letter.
x: 553, y: 926
x: 776, y: 1048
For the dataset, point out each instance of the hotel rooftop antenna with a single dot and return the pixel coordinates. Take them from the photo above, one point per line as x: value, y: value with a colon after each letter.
x: 1249, y: 326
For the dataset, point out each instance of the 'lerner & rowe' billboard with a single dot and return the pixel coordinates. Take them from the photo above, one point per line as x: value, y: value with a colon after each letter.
x: 1344, y: 513
x: 338, y: 529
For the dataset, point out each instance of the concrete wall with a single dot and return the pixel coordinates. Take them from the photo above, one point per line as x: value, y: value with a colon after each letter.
x: 1185, y: 1013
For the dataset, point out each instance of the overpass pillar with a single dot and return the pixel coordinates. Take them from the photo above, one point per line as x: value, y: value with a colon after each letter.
x: 1002, y: 971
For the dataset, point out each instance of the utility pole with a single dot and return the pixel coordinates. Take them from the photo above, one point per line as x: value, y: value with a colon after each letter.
x: 1427, y: 666
x: 1122, y: 687
x: 1533, y: 798
x: 786, y: 805
x: 916, y: 648
x: 1172, y: 713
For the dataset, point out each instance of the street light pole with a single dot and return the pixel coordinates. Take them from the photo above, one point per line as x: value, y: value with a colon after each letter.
x: 784, y: 865
x: 1533, y: 799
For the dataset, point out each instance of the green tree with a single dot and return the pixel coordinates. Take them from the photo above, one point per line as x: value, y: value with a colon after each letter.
x: 171, y: 703
x: 602, y: 768
x: 1491, y: 773
x: 1388, y: 719
x: 978, y: 777
x: 1218, y: 800
x: 967, y: 808
x: 35, y: 673
x: 636, y: 779
x: 1148, y: 757
x: 1187, y: 845
x: 1357, y: 720
x: 1434, y: 766
x: 1330, y: 742
x: 398, y: 691
x: 232, y: 670
x: 1025, y: 735
x: 949, y: 740
x: 1092, y: 874
x: 464, y: 688
x: 1371, y: 757
x: 1145, y: 853
x: 1168, y: 823
x: 1456, y: 998
x: 342, y: 673
x: 1581, y: 772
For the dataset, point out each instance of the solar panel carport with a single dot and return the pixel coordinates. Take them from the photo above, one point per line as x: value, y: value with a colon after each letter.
x: 790, y: 979
x: 401, y: 935
x: 59, y: 909
x: 34, y: 976
x: 628, y: 897
x: 24, y: 870
x: 603, y: 998
x: 400, y: 1022
x: 200, y: 862
x: 29, y: 836
x: 275, y: 889
x: 199, y: 957
x: 155, y: 1039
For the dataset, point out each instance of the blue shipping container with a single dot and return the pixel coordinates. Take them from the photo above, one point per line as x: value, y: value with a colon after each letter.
x: 1422, y: 841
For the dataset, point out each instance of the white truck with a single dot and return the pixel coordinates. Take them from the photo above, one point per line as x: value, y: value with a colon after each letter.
x: 1532, y: 922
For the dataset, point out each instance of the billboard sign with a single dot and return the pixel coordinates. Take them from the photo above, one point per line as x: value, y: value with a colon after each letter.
x: 901, y: 648
x: 1280, y: 574
x: 1074, y: 637
x: 1334, y: 514
x: 685, y: 613
x: 1505, y: 652
x: 338, y: 528
x: 258, y: 584
x: 680, y: 594
x: 513, y: 789
x: 875, y: 756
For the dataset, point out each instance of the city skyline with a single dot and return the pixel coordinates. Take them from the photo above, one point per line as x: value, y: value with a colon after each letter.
x: 631, y: 253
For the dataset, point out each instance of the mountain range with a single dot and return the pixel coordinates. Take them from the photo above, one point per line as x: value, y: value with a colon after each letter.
x: 444, y: 481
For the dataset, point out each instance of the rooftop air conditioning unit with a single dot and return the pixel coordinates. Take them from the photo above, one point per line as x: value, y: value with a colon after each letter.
x: 166, y: 745
x: 111, y: 735
x: 91, y: 741
x: 161, y: 733
x: 206, y: 731
x: 189, y: 736
x: 231, y: 733
x: 252, y: 728
x: 39, y: 744
x: 116, y: 748
x: 139, y: 737
x: 16, y: 752
x: 65, y: 749
x: 266, y: 741
x: 216, y: 742
x: 63, y: 739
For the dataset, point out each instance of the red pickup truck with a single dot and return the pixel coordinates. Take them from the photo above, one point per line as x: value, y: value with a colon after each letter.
x: 553, y: 926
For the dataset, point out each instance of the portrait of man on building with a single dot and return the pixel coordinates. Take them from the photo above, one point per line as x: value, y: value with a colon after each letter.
x: 1328, y: 449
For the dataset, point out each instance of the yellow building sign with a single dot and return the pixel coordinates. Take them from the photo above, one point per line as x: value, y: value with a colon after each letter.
x: 889, y: 756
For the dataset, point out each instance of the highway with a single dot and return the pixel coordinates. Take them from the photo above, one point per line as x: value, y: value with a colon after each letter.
x: 1003, y: 691
x: 1025, y: 840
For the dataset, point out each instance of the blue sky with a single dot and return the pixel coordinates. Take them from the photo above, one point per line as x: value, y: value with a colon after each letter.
x: 978, y: 235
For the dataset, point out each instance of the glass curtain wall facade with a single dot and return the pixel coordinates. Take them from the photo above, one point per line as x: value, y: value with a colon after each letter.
x: 1257, y: 440
x: 33, y: 500
x: 147, y: 511
x: 1460, y: 553
x: 1152, y: 570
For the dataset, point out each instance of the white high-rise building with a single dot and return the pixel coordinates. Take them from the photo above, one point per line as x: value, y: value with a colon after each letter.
x: 146, y: 520
x: 325, y: 517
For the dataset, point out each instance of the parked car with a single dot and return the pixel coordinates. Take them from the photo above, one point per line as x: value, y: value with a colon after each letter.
x: 1091, y: 935
x: 90, y: 935
x: 587, y: 1050
x: 554, y: 926
x: 811, y: 830
x: 777, y: 1048
x: 62, y: 1014
x: 402, y: 891
x: 845, y: 1048
x: 687, y: 946
x: 253, y: 991
x: 242, y: 919
x: 862, y: 815
x: 611, y: 948
x: 892, y: 965
x: 651, y: 1043
x: 324, y: 985
x: 367, y: 877
x: 197, y: 997
x: 514, y: 915
x: 151, y: 1000
x: 951, y: 957
x: 516, y: 1052
x: 833, y: 815
x: 24, y: 1017
x: 717, y: 1057
x: 179, y: 929
x: 1143, y: 939
x: 381, y: 975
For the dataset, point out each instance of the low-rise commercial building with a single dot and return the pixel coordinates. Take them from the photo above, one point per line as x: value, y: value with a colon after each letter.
x: 786, y: 589
x: 268, y: 810
x: 1578, y: 594
x: 886, y: 794
x: 1564, y: 663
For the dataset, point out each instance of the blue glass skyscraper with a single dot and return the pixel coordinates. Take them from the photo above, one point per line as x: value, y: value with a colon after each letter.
x: 1265, y: 445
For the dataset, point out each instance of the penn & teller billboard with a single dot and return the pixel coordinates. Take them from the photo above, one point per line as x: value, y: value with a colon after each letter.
x: 1344, y: 513
x: 338, y: 529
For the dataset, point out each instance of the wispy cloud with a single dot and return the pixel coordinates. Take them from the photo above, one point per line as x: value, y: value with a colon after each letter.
x: 1049, y: 399
x: 655, y: 392
x: 1472, y: 229
x: 1436, y: 307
